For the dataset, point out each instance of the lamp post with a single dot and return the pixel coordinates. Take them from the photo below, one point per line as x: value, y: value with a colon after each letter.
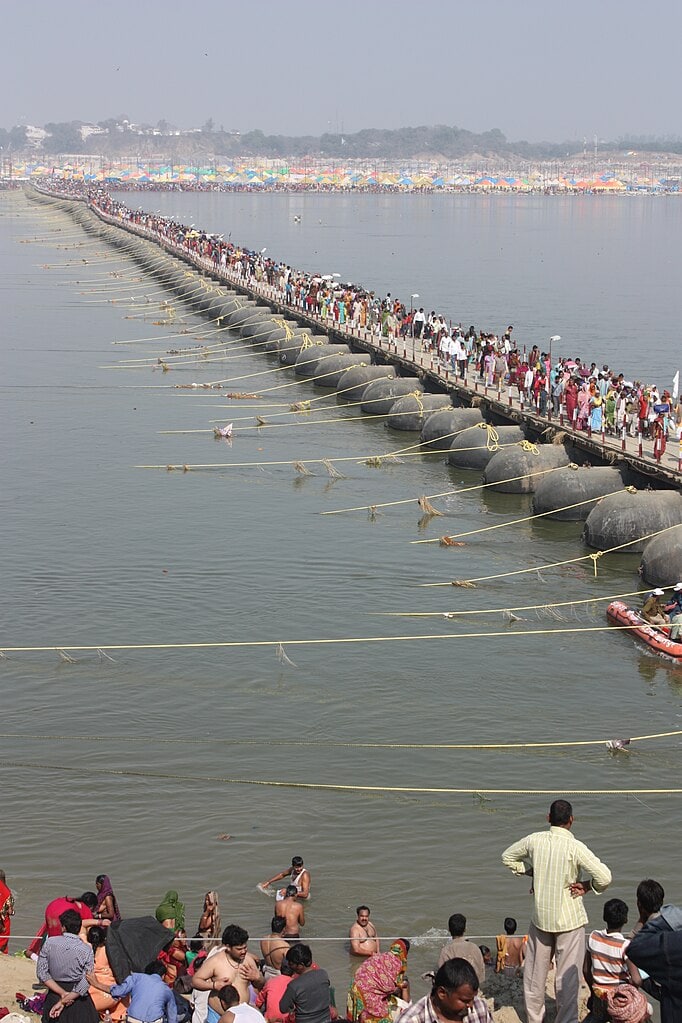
x: 554, y: 338
x: 412, y: 298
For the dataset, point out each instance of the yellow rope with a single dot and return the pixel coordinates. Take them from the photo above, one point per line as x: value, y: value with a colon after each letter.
x: 353, y: 419
x: 285, y: 325
x: 499, y: 610
x: 208, y: 349
x: 526, y: 445
x: 341, y: 744
x: 492, y: 438
x: 516, y: 522
x: 594, y: 557
x: 278, y: 405
x: 139, y: 283
x: 334, y: 458
x: 278, y: 369
x: 343, y: 641
x: 311, y: 401
x: 445, y: 493
x: 337, y: 787
x: 310, y: 342
x: 165, y: 337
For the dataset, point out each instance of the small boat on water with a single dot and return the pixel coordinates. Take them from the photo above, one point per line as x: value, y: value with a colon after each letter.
x: 654, y: 637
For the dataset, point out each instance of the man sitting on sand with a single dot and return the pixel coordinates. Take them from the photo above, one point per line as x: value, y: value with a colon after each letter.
x: 510, y: 950
x: 605, y: 965
x: 460, y: 948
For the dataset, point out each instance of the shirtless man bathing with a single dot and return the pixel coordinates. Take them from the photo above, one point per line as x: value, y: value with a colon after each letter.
x: 291, y: 911
x: 298, y: 875
x: 363, y: 934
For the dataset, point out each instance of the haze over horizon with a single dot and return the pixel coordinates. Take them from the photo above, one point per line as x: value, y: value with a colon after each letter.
x: 535, y: 71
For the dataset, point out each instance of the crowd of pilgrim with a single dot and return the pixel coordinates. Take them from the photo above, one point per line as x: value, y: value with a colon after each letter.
x: 584, y: 396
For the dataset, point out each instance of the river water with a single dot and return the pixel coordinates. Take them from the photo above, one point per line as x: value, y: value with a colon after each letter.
x: 97, y: 552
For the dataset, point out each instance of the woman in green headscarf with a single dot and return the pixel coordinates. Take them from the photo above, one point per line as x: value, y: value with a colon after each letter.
x: 171, y: 912
x: 378, y: 983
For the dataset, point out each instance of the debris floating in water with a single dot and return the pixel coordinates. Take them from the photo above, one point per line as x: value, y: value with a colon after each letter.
x: 332, y: 470
x: 510, y: 617
x: 282, y: 656
x: 618, y: 745
x: 426, y: 506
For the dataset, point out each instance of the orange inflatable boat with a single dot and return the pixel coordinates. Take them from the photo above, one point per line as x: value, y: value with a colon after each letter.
x: 655, y: 637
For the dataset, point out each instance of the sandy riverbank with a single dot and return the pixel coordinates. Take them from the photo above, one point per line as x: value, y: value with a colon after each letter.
x: 15, y: 975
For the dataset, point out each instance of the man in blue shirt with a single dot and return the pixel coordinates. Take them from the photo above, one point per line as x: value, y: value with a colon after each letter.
x: 151, y: 1001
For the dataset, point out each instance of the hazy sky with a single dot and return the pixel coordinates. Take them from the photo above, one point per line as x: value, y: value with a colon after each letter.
x: 535, y: 69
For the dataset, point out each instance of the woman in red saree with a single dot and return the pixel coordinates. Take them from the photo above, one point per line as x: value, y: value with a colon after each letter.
x: 6, y: 912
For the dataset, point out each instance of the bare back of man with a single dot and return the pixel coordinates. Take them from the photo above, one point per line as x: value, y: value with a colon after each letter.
x: 291, y: 910
x: 273, y: 949
x: 514, y: 952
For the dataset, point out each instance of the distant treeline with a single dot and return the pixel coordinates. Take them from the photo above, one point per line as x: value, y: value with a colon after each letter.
x: 118, y: 138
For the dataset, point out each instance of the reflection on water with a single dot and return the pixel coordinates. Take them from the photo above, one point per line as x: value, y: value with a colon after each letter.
x: 98, y: 552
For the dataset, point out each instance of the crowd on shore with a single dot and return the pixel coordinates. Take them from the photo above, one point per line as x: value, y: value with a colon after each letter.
x: 96, y: 966
x: 585, y: 396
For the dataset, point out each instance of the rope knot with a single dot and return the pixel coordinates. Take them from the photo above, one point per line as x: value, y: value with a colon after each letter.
x: 281, y: 322
x: 492, y: 437
x: 417, y: 395
x: 527, y: 445
x: 595, y: 558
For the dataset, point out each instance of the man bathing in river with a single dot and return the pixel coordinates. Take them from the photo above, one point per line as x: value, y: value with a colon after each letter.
x: 363, y: 934
x: 291, y: 911
x: 298, y: 875
x: 274, y: 948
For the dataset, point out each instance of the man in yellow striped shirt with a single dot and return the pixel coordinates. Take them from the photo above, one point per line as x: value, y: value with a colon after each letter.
x: 563, y: 870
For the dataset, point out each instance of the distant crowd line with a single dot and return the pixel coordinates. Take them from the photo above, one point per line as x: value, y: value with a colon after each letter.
x: 589, y: 398
x: 493, y: 184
